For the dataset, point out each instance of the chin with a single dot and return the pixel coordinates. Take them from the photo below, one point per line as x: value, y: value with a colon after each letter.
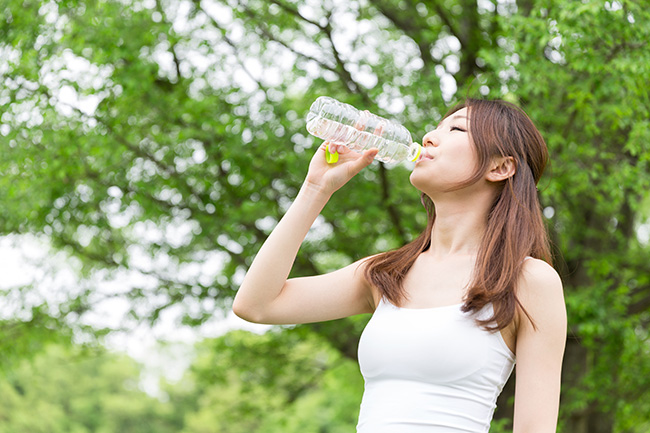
x: 413, y: 179
x: 427, y: 184
x: 419, y: 181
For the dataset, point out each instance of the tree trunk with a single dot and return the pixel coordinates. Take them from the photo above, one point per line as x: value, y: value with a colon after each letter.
x: 593, y: 419
x: 590, y: 420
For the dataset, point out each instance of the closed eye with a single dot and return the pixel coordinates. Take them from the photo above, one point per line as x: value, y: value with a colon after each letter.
x: 457, y: 128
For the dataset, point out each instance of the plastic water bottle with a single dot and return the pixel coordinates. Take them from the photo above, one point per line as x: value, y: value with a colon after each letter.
x: 343, y: 124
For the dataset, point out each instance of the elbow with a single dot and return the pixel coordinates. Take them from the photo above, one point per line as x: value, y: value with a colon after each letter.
x: 246, y: 312
x: 241, y: 311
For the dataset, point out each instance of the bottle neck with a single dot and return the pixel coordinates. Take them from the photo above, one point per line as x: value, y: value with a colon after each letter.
x: 415, y: 151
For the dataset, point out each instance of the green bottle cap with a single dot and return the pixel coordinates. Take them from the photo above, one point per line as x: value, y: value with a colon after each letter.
x: 331, y: 158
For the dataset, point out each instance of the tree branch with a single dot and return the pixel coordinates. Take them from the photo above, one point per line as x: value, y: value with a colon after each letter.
x: 447, y: 21
x: 641, y: 305
x: 172, y: 47
x: 268, y: 35
x: 341, y: 70
x: 296, y: 13
x: 409, y: 27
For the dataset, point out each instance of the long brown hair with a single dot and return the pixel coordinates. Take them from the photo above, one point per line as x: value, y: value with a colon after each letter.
x: 515, y: 228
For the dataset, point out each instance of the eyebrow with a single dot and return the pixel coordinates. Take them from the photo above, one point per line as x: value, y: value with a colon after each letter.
x: 453, y: 117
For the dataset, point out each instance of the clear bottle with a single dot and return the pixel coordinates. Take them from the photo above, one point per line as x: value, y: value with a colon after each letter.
x: 341, y: 123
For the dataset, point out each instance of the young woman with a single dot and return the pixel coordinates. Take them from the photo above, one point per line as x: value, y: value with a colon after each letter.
x: 453, y: 309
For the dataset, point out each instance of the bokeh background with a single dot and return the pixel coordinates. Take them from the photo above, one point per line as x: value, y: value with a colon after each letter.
x: 149, y: 147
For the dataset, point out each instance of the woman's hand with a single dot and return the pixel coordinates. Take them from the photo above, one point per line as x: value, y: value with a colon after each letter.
x: 327, y: 178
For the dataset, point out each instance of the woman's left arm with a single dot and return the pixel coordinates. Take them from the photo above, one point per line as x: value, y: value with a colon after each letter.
x: 540, y: 349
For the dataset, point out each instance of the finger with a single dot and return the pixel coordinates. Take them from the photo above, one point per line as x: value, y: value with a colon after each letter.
x: 371, y: 153
x: 380, y: 128
x: 362, y: 120
x: 366, y: 159
x: 331, y: 155
x: 331, y: 147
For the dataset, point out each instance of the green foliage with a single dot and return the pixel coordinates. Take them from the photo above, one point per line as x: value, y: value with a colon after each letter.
x: 191, y: 143
x: 66, y: 388
x: 241, y: 382
x: 279, y: 381
x: 21, y: 339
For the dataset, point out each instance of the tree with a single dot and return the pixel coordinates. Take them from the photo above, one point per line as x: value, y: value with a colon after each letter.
x: 69, y: 388
x: 190, y: 143
x: 23, y: 338
x: 280, y: 381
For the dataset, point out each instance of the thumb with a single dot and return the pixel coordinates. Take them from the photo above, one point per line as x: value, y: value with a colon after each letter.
x: 365, y: 160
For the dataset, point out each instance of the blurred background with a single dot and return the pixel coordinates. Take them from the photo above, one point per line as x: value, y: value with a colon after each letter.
x: 149, y: 147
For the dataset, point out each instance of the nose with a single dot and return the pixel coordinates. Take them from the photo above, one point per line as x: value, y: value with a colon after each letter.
x: 430, y: 139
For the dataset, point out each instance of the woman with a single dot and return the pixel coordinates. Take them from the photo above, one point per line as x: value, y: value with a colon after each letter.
x: 455, y: 307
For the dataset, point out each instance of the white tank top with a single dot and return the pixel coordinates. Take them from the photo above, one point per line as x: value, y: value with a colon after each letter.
x: 430, y: 370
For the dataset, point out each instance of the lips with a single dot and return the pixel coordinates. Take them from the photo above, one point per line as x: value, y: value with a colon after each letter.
x: 424, y: 156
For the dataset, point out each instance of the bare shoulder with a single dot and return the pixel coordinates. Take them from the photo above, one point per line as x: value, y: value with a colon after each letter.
x: 539, y: 276
x: 362, y: 265
x: 541, y: 293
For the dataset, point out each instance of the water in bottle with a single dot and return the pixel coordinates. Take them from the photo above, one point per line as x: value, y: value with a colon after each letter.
x: 343, y: 124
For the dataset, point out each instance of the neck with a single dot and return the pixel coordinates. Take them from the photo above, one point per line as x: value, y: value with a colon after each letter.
x: 459, y: 226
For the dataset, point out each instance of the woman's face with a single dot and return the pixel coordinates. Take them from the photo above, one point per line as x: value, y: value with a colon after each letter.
x: 449, y: 156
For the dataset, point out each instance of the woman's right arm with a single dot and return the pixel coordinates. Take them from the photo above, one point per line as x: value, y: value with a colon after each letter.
x: 267, y: 296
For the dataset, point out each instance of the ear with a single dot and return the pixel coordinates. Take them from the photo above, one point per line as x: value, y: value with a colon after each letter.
x: 501, y: 168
